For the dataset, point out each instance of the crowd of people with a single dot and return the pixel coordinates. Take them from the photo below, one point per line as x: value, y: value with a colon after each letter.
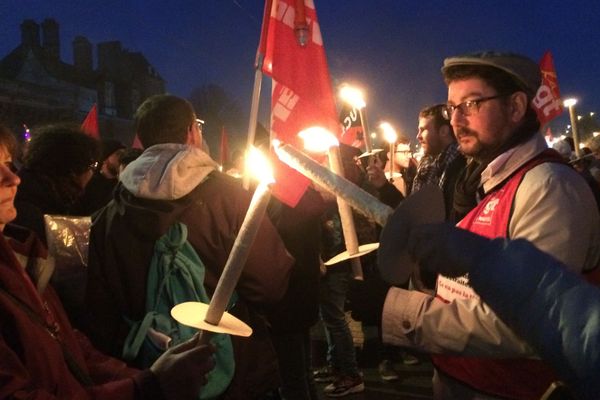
x: 499, y: 301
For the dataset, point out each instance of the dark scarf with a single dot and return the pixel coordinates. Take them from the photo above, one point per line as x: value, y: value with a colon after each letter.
x: 467, y: 185
x: 465, y: 192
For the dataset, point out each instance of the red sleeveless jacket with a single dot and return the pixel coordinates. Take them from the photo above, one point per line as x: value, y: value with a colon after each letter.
x: 511, y: 378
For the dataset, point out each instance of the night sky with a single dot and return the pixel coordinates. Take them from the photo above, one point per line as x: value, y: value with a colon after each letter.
x: 393, y: 48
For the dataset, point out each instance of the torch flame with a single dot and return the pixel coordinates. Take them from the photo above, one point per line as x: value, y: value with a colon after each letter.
x: 352, y: 96
x: 259, y: 166
x: 389, y: 133
x: 318, y: 139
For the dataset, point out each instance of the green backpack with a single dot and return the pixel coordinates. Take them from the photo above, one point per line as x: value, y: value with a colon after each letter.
x: 176, y: 275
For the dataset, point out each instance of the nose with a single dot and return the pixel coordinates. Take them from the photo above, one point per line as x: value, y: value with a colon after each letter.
x: 8, y: 178
x: 457, y: 118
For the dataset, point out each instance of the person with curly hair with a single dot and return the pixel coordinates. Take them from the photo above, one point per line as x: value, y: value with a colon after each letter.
x: 58, y: 165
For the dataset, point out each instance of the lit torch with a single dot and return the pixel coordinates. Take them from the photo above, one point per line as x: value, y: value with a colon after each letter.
x: 354, y: 97
x: 213, y: 318
x: 320, y: 140
x: 390, y: 136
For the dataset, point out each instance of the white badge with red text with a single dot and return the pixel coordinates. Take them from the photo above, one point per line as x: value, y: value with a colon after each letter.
x: 450, y: 289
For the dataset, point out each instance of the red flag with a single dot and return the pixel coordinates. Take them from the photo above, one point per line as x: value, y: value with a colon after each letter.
x: 547, y: 103
x: 136, y: 143
x: 224, y: 148
x: 302, y: 95
x: 90, y: 123
x: 262, y: 43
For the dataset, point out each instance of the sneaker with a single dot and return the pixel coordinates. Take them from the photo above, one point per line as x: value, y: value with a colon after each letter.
x: 387, y: 371
x: 409, y: 359
x: 324, y: 374
x: 345, y: 385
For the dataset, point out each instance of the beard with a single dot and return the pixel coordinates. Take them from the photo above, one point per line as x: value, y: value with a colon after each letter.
x: 470, y: 145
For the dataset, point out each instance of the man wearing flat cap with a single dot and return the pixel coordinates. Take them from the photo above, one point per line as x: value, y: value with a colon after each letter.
x: 513, y: 187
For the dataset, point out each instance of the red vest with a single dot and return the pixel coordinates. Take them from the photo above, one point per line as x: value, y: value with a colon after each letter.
x: 511, y: 378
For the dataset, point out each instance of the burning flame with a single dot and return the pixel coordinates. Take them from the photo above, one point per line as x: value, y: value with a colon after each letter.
x: 389, y: 133
x: 352, y: 96
x: 318, y: 139
x: 259, y: 166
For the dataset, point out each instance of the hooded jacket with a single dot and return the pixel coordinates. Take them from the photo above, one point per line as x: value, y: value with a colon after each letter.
x: 169, y: 183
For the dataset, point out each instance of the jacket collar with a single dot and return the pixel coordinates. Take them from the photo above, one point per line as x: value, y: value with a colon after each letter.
x: 508, y: 162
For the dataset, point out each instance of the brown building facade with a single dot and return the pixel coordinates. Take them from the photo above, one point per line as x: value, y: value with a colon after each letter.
x: 37, y: 88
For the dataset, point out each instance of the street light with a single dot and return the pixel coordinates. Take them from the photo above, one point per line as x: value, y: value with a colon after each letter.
x: 570, y: 104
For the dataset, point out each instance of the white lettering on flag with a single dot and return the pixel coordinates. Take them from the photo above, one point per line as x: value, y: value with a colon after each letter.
x: 316, y: 33
x: 286, y: 102
x: 285, y: 14
x: 545, y: 101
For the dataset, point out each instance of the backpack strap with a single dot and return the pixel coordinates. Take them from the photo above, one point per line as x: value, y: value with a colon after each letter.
x: 137, y: 335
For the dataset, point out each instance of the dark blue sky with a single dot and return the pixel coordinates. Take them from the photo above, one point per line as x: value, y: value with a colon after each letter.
x: 393, y: 48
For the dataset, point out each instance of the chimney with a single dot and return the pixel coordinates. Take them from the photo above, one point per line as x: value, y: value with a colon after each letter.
x: 82, y: 53
x: 51, y: 40
x: 109, y: 55
x: 30, y: 33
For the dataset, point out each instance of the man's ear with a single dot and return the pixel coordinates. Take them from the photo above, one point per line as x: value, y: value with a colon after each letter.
x: 519, y: 104
x: 192, y: 137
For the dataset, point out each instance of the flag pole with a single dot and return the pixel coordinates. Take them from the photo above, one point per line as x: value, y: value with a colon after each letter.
x: 253, y: 113
x: 365, y: 126
x: 258, y: 64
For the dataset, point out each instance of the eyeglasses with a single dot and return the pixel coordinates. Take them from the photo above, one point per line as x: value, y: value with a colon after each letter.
x: 200, y: 123
x: 467, y: 107
x: 94, y: 166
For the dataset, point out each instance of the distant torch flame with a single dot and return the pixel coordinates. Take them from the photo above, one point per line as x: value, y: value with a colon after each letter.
x: 352, y: 96
x: 317, y: 139
x: 389, y: 133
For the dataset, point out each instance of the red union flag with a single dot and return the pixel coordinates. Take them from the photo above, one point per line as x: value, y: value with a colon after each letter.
x: 90, y: 123
x: 137, y: 143
x: 547, y: 103
x: 302, y: 95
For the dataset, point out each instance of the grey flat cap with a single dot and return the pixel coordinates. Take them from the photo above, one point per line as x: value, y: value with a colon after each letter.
x: 523, y: 70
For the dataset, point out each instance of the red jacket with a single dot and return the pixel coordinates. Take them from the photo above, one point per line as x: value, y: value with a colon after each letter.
x: 32, y: 329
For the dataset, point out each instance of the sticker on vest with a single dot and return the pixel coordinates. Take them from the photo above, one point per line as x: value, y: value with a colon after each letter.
x: 449, y: 289
x: 487, y: 214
